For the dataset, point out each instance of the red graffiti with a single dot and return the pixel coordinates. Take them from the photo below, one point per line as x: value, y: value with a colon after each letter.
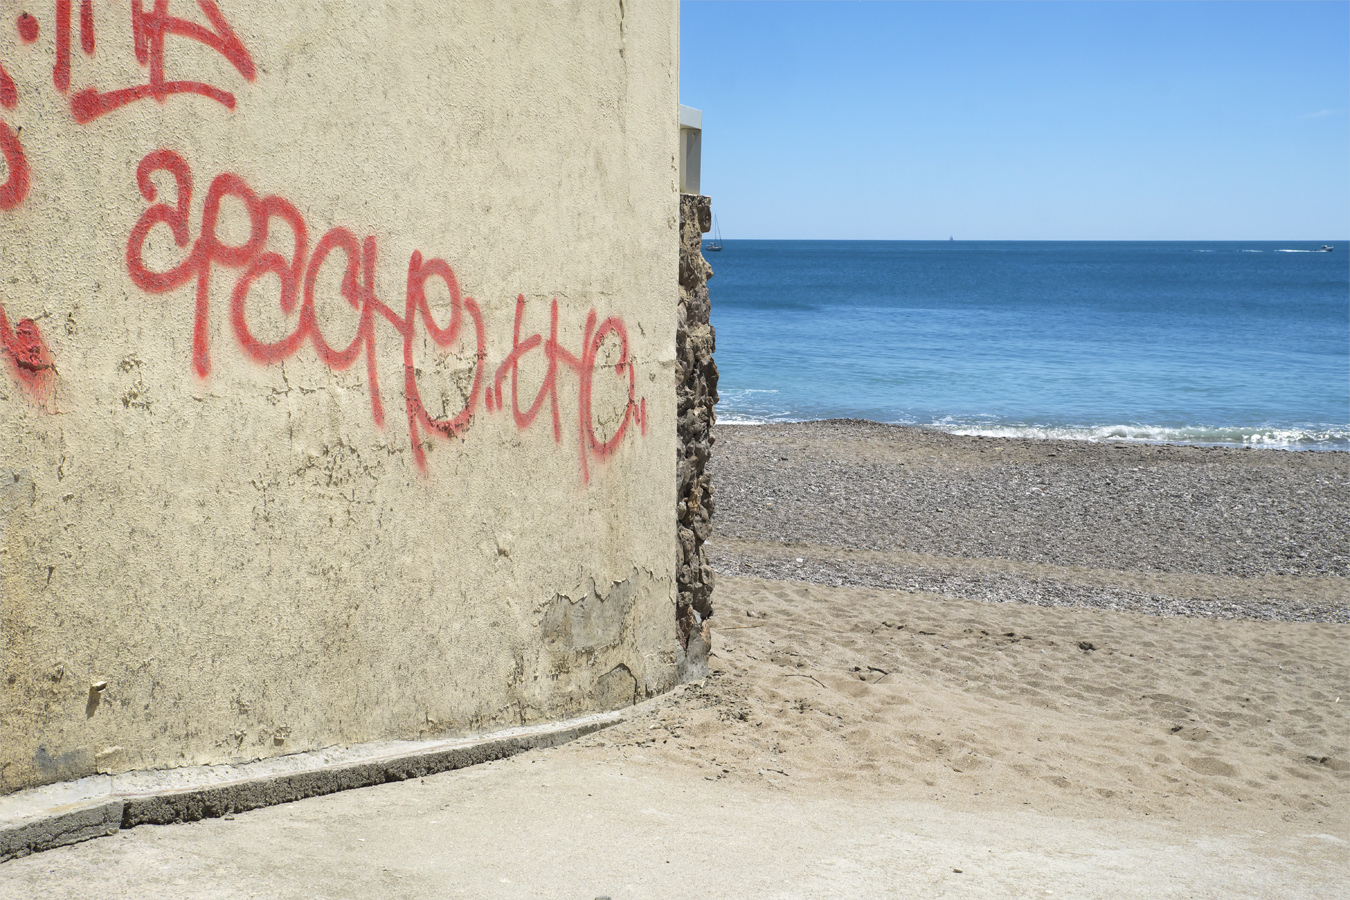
x: 29, y: 358
x: 149, y: 29
x: 584, y: 367
x: 15, y: 187
x: 28, y: 28
x: 23, y: 345
x: 61, y: 71
x: 299, y: 276
x: 416, y: 302
x: 87, y: 27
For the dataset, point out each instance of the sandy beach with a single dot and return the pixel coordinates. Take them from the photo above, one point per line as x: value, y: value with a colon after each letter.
x: 1123, y: 629
x: 941, y: 666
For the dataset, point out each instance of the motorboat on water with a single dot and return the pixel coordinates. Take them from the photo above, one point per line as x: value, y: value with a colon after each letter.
x: 1325, y: 248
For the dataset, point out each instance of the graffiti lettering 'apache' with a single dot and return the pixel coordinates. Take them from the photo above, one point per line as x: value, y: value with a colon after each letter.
x: 299, y: 276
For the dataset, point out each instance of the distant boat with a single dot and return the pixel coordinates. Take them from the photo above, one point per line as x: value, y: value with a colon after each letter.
x: 1326, y: 248
x: 716, y: 243
x: 950, y: 238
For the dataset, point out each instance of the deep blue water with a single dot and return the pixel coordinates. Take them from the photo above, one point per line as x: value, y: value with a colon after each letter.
x: 1225, y: 343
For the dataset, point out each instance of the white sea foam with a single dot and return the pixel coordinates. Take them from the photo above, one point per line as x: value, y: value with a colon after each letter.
x: 1322, y: 437
x: 733, y: 418
x: 750, y: 406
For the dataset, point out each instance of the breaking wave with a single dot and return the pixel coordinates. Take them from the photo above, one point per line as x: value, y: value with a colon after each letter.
x: 1308, y: 437
x: 1312, y: 437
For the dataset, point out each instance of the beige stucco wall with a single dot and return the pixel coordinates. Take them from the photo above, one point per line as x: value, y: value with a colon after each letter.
x: 244, y: 560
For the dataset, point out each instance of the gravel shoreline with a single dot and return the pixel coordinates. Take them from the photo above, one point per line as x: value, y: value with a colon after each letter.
x: 1159, y: 529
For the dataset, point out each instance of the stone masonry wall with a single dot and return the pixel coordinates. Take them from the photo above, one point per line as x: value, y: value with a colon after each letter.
x: 696, y: 386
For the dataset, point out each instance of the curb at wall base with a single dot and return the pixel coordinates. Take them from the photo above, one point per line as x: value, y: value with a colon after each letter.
x: 56, y: 815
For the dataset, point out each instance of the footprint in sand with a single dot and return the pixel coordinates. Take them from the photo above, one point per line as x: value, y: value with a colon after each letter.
x: 1189, y: 732
x: 1209, y: 765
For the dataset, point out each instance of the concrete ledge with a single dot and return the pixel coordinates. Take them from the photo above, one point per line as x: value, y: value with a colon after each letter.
x: 70, y: 812
x: 60, y: 828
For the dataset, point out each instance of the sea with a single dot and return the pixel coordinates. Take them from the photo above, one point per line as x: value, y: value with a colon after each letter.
x: 1226, y: 343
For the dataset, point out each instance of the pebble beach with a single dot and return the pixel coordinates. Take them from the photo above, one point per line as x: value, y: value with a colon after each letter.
x: 1160, y: 529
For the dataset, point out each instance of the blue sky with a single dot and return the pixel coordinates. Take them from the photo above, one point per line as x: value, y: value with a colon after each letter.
x: 1023, y: 121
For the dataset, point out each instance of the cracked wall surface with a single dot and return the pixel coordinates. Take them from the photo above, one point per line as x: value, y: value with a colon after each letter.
x: 343, y: 410
x: 696, y: 387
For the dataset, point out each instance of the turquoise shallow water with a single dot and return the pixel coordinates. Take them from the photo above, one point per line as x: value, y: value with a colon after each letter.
x: 1220, y: 343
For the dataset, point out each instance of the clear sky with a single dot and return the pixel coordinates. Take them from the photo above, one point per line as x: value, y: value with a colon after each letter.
x: 1023, y: 121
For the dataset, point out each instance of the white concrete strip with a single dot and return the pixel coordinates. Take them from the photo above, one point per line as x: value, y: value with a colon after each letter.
x: 58, y: 814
